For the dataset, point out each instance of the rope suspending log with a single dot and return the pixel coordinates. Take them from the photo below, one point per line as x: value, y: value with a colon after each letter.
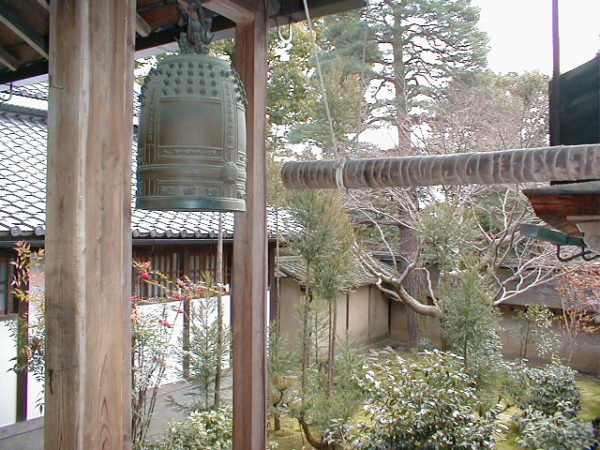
x: 558, y: 163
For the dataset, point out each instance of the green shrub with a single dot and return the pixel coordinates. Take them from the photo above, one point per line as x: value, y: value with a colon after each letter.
x: 428, y: 403
x: 211, y: 429
x: 560, y: 431
x: 551, y: 389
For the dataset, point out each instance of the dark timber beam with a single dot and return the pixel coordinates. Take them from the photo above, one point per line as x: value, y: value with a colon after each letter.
x: 162, y: 17
x: 8, y: 60
x: 250, y: 247
x: 142, y: 27
x: 238, y: 11
x: 44, y: 4
x: 88, y: 237
x: 20, y: 27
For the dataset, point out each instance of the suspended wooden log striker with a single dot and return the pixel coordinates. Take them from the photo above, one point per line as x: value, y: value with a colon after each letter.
x: 559, y: 163
x: 192, y: 133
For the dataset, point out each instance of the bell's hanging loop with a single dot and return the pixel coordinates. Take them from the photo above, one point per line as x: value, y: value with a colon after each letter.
x: 192, y: 133
x: 198, y: 35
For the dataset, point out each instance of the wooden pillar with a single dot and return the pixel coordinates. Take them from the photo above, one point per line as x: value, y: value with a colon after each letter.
x: 88, y: 238
x: 250, y: 247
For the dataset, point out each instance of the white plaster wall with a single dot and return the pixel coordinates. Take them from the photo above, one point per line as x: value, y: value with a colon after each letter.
x: 359, y: 315
x: 289, y: 324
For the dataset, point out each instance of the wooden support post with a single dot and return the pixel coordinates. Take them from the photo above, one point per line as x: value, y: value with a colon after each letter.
x: 88, y: 238
x: 250, y: 248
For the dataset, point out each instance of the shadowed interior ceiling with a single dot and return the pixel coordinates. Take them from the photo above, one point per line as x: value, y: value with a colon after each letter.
x: 24, y: 28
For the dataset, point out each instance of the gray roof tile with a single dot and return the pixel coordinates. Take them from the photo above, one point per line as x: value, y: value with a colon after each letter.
x: 295, y: 267
x: 23, y: 136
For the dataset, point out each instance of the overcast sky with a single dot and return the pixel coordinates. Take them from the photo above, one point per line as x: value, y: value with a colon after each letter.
x: 520, y: 33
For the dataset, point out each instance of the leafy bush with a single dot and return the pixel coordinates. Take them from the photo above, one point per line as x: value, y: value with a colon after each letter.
x: 551, y: 389
x: 201, y: 430
x: 560, y: 431
x: 513, y: 387
x: 428, y: 403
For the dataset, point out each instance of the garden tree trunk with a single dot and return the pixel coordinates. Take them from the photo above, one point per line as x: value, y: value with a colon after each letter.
x: 305, y: 334
x: 276, y: 416
x: 525, y: 344
x: 319, y: 445
x: 316, y: 335
x: 413, y: 284
x: 305, y: 341
x: 186, y: 337
x: 220, y: 332
x: 401, y: 112
x: 332, y: 343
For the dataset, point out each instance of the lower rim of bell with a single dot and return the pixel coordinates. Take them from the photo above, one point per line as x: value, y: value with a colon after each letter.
x: 191, y: 204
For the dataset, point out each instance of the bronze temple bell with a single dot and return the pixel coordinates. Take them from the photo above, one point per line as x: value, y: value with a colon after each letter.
x: 192, y: 132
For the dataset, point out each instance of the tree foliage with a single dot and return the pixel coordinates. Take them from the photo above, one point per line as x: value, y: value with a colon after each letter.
x: 470, y: 321
x: 488, y: 112
x: 423, y: 45
x: 327, y: 246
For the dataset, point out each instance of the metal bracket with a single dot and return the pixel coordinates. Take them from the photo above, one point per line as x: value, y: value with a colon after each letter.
x: 582, y: 254
x: 6, y: 96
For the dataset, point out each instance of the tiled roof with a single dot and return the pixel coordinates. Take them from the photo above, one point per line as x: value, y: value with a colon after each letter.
x: 39, y: 91
x: 295, y: 266
x: 23, y: 138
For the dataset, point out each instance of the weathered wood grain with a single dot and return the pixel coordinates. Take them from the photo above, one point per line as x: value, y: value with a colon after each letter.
x: 88, y: 238
x: 250, y: 248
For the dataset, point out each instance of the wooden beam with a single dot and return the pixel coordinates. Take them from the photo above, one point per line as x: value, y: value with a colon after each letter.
x: 238, y: 11
x: 88, y: 238
x: 142, y: 27
x: 20, y: 27
x: 8, y: 60
x: 250, y: 248
x: 44, y: 4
